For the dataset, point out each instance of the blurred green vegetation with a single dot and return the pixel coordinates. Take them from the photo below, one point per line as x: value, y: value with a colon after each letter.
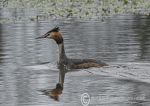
x: 81, y: 8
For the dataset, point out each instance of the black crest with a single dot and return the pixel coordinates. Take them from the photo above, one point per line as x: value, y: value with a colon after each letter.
x: 56, y: 29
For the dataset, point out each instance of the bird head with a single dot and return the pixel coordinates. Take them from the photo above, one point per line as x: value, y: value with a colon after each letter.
x: 53, y: 34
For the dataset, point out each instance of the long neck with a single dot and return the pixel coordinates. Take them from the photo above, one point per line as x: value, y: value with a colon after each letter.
x: 62, y: 55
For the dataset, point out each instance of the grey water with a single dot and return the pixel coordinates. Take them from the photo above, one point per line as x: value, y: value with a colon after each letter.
x: 122, y: 41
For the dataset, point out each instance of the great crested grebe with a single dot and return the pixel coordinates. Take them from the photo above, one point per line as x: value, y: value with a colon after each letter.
x: 63, y: 59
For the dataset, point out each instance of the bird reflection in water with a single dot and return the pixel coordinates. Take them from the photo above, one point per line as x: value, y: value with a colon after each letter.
x: 54, y: 93
x: 57, y: 91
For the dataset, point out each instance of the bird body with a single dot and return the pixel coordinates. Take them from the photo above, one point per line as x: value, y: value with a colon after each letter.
x: 63, y: 59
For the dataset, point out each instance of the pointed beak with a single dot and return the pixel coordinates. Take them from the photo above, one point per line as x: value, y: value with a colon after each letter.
x: 40, y: 37
x: 43, y: 36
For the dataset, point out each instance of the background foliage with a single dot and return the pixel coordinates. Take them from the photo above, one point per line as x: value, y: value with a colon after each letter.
x: 81, y: 8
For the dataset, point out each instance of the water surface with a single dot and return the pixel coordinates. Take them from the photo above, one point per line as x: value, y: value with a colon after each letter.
x: 122, y: 41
